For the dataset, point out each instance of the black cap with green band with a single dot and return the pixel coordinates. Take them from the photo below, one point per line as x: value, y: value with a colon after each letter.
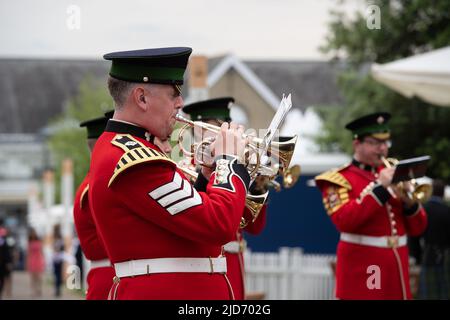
x: 218, y: 109
x: 375, y: 124
x: 161, y: 65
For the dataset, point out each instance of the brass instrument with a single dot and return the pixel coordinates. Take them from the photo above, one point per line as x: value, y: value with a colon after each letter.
x: 255, y: 202
x: 283, y: 151
x: 263, y: 157
x: 290, y: 176
x: 197, y: 150
x: 191, y: 174
x: 413, y: 190
x: 289, y: 179
x: 277, y: 152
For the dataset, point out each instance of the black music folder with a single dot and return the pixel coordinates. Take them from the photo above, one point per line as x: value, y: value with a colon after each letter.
x: 408, y: 169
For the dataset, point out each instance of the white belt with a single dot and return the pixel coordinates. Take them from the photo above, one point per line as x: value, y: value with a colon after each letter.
x: 234, y: 246
x: 170, y: 265
x: 100, y: 263
x: 381, y: 242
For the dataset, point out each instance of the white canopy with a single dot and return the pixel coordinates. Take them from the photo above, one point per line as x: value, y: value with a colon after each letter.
x: 425, y: 75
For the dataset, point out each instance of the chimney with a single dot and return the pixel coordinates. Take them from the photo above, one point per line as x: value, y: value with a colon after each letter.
x: 198, y: 75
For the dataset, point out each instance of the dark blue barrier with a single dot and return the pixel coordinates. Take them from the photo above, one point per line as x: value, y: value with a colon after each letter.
x: 296, y: 218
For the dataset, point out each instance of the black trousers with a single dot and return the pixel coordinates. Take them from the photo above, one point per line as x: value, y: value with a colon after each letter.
x: 57, y: 271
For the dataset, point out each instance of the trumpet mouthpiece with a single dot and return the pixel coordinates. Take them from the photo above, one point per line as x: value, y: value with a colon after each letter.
x: 180, y: 118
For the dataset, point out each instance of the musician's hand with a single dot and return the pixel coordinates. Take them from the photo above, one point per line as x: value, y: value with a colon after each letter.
x: 230, y: 141
x: 385, y: 176
x: 260, y: 185
x: 402, y: 195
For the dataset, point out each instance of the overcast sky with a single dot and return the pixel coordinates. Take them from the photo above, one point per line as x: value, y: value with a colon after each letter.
x: 256, y: 29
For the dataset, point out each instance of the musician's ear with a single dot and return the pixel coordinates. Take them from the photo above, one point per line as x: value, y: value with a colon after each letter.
x: 139, y: 98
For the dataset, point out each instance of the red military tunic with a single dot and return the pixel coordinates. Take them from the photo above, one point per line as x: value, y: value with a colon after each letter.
x: 99, y: 279
x: 235, y: 260
x: 360, y: 207
x: 130, y: 186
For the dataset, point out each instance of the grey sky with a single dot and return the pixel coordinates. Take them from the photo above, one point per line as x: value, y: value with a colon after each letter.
x: 258, y: 29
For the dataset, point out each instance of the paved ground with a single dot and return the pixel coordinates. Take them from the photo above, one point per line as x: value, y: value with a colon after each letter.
x: 21, y: 289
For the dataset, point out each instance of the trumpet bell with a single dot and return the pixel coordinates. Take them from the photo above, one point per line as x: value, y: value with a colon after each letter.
x: 291, y: 176
x: 422, y: 192
x: 283, y: 150
x: 254, y: 203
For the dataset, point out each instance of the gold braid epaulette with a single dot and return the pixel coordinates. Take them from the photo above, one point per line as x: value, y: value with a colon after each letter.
x: 334, y: 177
x: 135, y: 153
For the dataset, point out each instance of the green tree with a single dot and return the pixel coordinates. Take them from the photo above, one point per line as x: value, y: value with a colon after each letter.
x: 67, y: 139
x: 407, y: 28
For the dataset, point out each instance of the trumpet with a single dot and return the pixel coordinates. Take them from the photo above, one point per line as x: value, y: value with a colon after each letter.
x: 263, y: 157
x: 414, y: 191
x: 198, y: 150
x: 255, y: 163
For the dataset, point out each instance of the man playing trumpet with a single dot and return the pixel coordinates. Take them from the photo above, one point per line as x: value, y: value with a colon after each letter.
x: 372, y: 216
x: 163, y: 237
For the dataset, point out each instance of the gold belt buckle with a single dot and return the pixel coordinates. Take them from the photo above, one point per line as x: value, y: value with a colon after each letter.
x: 393, y: 241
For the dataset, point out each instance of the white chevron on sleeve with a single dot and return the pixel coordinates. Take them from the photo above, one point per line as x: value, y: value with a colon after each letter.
x: 177, y: 195
x: 185, y: 192
x: 168, y: 187
x: 195, y: 200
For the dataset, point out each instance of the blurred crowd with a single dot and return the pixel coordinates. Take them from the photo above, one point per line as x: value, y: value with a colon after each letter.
x: 37, y: 261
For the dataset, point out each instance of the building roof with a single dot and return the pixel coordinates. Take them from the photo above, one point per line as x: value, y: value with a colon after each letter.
x: 33, y: 91
x: 311, y: 83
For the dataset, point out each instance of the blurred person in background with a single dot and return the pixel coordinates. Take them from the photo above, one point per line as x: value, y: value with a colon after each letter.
x: 101, y: 273
x: 6, y: 264
x: 58, y: 259
x: 432, y: 249
x: 35, y: 262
